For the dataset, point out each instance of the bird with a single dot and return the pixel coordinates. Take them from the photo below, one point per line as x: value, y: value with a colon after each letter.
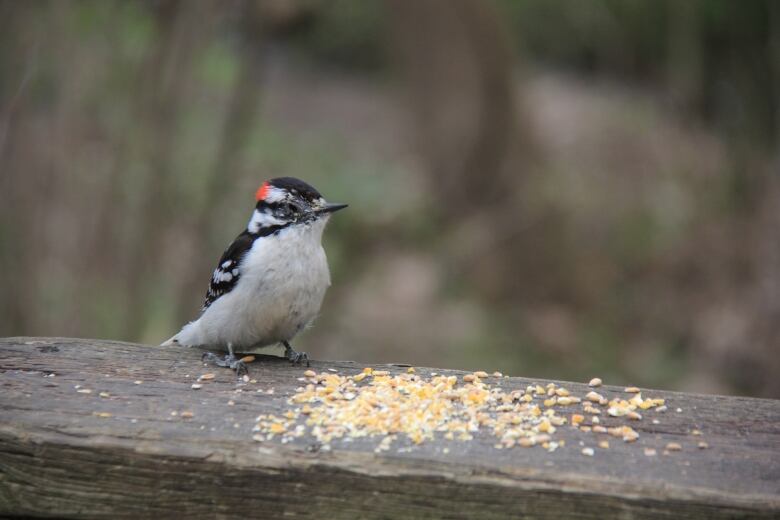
x: 269, y: 284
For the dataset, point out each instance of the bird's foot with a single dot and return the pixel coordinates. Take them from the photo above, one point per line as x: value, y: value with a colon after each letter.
x: 296, y: 358
x: 226, y: 361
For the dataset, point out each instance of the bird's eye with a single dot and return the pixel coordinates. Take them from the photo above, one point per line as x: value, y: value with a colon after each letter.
x: 290, y: 208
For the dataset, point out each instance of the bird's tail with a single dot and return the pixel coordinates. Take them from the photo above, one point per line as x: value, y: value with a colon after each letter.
x: 172, y: 341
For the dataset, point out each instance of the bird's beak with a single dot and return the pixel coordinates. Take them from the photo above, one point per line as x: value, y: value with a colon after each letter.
x: 330, y: 208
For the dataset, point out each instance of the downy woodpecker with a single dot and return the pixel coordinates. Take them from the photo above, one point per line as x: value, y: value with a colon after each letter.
x: 270, y: 282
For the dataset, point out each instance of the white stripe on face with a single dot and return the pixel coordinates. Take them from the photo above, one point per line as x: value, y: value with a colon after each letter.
x: 260, y: 219
x: 274, y: 195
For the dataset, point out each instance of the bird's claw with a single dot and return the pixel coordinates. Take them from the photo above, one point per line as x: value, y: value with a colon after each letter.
x: 226, y: 361
x: 296, y: 358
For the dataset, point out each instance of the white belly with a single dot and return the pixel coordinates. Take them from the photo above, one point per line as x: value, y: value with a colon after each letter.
x: 283, y: 281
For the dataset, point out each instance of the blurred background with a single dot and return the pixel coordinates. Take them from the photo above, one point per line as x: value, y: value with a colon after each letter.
x: 549, y: 188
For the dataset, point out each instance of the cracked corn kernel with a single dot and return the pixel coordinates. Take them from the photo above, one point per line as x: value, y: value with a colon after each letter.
x: 481, y: 373
x: 310, y: 373
x: 604, y: 445
x: 593, y: 396
x: 632, y: 390
x: 596, y: 381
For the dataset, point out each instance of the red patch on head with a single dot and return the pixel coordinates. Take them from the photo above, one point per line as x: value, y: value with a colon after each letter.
x: 262, y: 191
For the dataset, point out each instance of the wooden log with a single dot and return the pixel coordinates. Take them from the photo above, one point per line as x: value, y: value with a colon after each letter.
x: 124, y: 449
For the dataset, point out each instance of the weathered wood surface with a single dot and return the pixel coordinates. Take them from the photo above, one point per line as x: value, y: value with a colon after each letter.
x: 59, y: 457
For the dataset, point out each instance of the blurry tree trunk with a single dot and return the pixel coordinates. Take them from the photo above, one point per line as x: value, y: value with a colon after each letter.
x: 236, y: 129
x: 183, y: 30
x: 684, y: 55
x: 458, y: 71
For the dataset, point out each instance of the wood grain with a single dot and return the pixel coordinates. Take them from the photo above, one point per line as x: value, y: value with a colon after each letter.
x: 70, y: 454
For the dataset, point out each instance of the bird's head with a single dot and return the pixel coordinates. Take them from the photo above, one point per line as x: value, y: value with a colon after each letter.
x: 286, y: 200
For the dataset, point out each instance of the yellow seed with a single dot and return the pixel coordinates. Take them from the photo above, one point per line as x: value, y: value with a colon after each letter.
x: 380, y: 373
x: 562, y: 392
x: 703, y: 445
x: 497, y: 374
x: 577, y: 419
x: 549, y: 402
x: 634, y: 416
x: 599, y: 429
x: 696, y: 432
x: 358, y: 378
x: 481, y: 373
x: 596, y: 381
x: 632, y: 390
x: 104, y: 415
x: 248, y: 359
x: 469, y: 378
x: 310, y: 373
x: 207, y: 377
x: 593, y: 396
x: 673, y: 446
x: 564, y: 401
x: 604, y: 445
x: 410, y: 370
x: 186, y: 415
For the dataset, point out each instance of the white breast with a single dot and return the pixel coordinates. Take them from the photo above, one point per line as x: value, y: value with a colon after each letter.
x: 283, y: 281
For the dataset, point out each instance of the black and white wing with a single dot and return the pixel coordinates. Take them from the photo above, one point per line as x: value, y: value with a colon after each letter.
x: 228, y: 271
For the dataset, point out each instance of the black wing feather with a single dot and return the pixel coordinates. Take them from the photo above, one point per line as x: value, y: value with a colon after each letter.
x: 228, y: 271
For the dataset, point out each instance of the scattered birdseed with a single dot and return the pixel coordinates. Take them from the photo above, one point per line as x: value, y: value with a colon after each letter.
x: 497, y: 374
x: 247, y: 359
x: 104, y: 394
x: 661, y: 409
x: 138, y: 382
x: 207, y: 377
x: 588, y: 451
x: 410, y: 370
x: 678, y: 410
x: 104, y: 415
x: 632, y: 390
x: 84, y: 391
x: 596, y: 381
x: 673, y: 446
x: 604, y: 445
x: 696, y: 432
x: 703, y: 445
x: 186, y: 415
x: 650, y: 452
x: 196, y: 386
x: 375, y: 403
